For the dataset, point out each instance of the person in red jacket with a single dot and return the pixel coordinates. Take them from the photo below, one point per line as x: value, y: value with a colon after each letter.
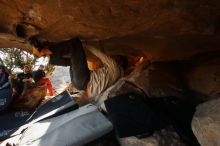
x: 41, y: 79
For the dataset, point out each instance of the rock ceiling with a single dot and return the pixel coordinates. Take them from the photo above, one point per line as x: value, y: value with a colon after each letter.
x: 156, y: 29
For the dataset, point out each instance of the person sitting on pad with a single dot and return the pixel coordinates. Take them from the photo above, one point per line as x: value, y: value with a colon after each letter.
x: 41, y: 79
x: 23, y: 82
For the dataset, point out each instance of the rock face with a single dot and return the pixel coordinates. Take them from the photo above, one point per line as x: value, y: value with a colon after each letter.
x: 159, y: 29
x: 204, y: 77
x: 206, y: 123
x: 157, y: 80
x: 107, y: 19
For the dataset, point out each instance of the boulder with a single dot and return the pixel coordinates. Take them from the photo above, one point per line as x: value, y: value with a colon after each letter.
x: 31, y: 98
x: 206, y: 123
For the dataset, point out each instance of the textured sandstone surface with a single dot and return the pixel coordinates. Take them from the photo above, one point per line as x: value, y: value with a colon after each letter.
x: 159, y: 29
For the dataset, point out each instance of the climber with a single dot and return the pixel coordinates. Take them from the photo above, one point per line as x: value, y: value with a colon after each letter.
x: 93, y: 83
